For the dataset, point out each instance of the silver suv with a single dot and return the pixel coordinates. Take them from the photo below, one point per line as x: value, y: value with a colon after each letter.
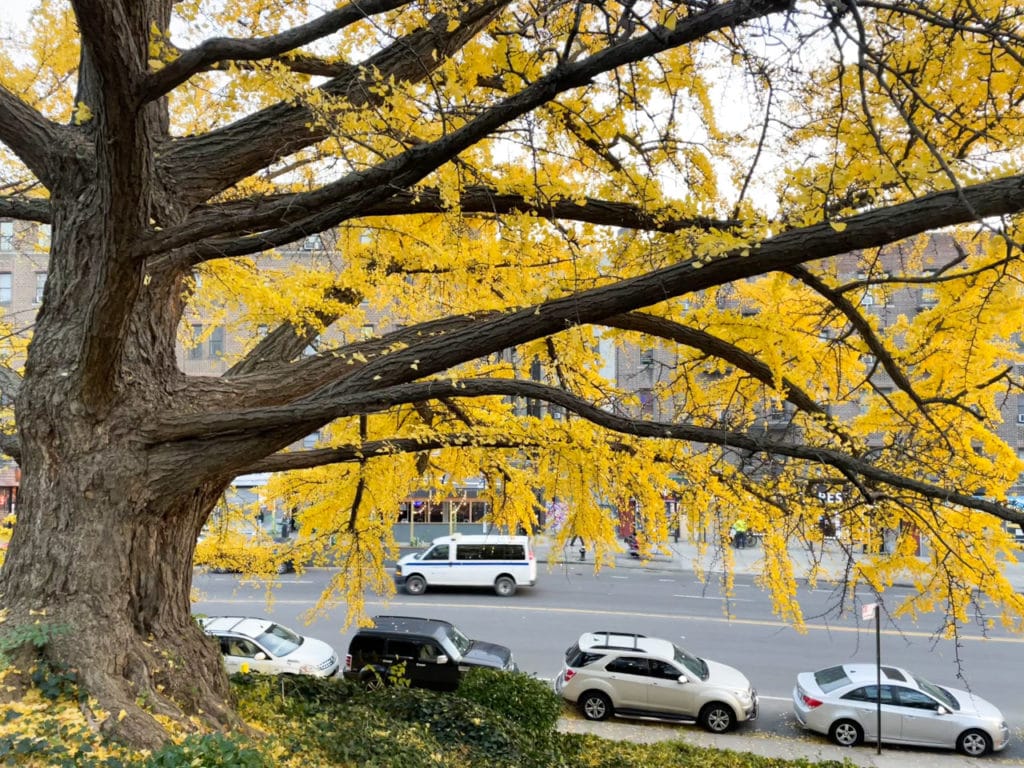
x: 608, y: 673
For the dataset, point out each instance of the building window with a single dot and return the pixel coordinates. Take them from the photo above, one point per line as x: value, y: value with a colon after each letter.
x: 367, y: 331
x: 217, y: 341
x: 195, y: 352
x: 6, y: 235
x: 313, y: 347
x: 44, y: 236
x: 311, y: 440
x: 261, y: 331
x: 40, y: 285
x: 5, y: 288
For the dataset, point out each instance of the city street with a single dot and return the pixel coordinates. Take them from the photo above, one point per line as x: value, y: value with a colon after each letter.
x: 539, y: 623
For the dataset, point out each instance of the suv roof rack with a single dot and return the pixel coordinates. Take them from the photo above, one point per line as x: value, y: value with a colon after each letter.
x: 608, y: 639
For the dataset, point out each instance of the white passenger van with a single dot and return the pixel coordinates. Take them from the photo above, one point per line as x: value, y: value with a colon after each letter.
x: 502, y: 562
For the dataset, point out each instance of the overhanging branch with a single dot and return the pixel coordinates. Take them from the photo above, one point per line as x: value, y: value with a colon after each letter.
x: 221, y: 49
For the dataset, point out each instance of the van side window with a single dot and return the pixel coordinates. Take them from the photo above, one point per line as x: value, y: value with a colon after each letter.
x: 440, y: 552
x: 491, y: 552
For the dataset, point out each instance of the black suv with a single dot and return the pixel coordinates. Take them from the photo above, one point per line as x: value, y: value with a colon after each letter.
x: 429, y: 653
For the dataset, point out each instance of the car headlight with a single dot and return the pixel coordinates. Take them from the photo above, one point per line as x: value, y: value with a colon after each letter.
x: 398, y: 570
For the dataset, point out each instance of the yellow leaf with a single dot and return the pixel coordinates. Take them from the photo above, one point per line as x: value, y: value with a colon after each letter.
x: 82, y: 113
x: 838, y: 226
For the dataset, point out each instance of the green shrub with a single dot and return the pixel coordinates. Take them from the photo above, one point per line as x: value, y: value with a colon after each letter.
x: 452, y: 720
x: 213, y: 750
x: 519, y: 698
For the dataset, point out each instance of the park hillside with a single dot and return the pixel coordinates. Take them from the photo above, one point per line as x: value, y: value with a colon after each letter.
x: 729, y: 190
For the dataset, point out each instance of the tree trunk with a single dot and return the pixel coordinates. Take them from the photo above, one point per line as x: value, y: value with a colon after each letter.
x: 112, y: 569
x: 103, y: 554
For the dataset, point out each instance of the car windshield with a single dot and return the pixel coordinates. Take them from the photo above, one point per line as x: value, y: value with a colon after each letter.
x: 939, y: 693
x: 279, y: 640
x: 697, y: 666
x: 460, y: 641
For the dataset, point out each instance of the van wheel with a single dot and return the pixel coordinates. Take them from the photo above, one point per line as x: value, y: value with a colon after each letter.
x: 595, y: 705
x: 717, y: 717
x: 505, y: 586
x: 415, y: 585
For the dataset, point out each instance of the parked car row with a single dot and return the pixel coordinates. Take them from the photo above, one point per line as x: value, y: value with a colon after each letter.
x: 609, y: 673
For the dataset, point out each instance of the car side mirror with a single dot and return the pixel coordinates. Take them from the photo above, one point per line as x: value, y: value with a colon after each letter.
x: 260, y: 656
x: 442, y: 659
x: 682, y: 679
x: 942, y: 711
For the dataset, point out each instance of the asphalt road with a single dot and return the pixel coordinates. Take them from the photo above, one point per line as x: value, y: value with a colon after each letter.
x: 539, y: 623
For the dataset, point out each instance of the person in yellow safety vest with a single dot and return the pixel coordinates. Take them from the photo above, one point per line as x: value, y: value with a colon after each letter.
x: 739, y: 533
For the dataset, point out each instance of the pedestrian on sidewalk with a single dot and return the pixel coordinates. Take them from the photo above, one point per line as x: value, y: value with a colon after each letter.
x: 738, y: 533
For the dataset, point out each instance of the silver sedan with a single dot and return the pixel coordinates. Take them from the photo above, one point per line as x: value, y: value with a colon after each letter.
x: 841, y: 702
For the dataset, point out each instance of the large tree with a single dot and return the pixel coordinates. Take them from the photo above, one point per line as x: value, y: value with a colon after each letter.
x: 499, y: 175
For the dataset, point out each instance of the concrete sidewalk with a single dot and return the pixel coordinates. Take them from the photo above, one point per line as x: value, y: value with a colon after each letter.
x: 811, y: 747
x: 686, y: 556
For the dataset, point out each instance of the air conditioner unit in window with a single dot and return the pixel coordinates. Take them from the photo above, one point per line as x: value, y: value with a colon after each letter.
x: 1020, y: 418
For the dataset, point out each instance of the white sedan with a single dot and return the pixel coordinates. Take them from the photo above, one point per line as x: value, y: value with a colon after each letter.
x: 269, y: 648
x: 842, y: 702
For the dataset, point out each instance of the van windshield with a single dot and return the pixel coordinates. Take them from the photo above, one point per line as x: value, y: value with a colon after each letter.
x: 440, y: 552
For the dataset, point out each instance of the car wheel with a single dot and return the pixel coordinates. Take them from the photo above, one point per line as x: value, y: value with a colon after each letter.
x: 974, y: 743
x: 415, y: 585
x: 371, y: 679
x: 595, y: 705
x: 846, y: 733
x: 505, y: 586
x: 717, y: 717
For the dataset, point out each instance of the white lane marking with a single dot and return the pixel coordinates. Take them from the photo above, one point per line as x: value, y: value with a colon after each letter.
x: 621, y: 578
x: 761, y: 697
x: 670, y: 581
x: 714, y: 597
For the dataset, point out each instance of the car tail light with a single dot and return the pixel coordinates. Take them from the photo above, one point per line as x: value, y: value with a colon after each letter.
x: 569, y: 674
x: 809, y: 701
x: 348, y: 661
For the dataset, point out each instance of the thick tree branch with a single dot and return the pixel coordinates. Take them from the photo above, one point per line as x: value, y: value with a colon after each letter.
x: 273, y: 374
x: 221, y: 49
x: 208, y: 164
x: 245, y: 217
x: 867, y: 230
x: 863, y: 328
x: 25, y: 208
x: 712, y: 345
x: 31, y: 137
x: 375, y: 401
